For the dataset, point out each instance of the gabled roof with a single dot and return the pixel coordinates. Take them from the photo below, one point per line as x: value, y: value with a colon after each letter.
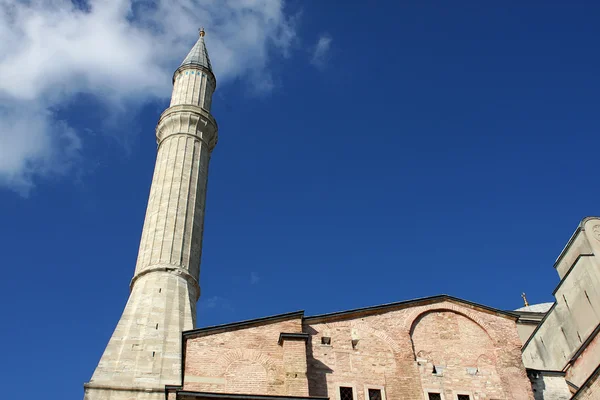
x: 409, y: 303
x: 243, y: 324
x: 347, y: 314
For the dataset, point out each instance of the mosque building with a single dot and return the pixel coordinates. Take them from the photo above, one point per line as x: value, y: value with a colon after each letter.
x: 432, y: 348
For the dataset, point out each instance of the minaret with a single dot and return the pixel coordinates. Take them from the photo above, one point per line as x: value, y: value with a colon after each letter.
x: 144, y: 352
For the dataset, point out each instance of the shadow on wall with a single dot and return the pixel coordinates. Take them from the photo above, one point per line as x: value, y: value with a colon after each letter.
x: 317, y: 372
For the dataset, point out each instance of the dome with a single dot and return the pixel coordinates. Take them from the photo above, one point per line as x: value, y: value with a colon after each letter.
x: 538, y: 308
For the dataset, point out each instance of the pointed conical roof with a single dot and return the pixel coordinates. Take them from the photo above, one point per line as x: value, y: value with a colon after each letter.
x: 198, y: 56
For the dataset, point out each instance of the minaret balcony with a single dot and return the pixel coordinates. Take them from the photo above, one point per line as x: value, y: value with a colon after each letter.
x: 188, y: 120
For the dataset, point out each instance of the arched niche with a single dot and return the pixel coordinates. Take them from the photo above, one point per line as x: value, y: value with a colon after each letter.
x: 448, y: 337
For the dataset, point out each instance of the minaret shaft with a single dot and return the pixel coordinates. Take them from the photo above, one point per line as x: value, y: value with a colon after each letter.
x: 144, y: 352
x: 172, y: 234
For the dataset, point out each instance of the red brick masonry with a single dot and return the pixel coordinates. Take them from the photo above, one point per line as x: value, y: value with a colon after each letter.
x: 438, y: 344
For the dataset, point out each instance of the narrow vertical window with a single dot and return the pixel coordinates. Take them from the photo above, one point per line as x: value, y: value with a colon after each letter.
x: 346, y: 393
x: 375, y: 394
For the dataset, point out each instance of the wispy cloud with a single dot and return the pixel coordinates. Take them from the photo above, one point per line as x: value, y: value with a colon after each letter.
x: 320, y: 54
x: 214, y: 303
x: 122, y: 52
x: 254, y: 278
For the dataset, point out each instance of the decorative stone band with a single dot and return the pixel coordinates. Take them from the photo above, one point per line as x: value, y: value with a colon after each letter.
x: 188, y: 120
x: 211, y: 76
x: 175, y: 270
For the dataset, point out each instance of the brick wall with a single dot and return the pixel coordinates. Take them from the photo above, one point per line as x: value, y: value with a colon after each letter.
x: 246, y: 361
x: 590, y: 392
x: 455, y: 354
x: 586, y: 363
x: 477, y: 354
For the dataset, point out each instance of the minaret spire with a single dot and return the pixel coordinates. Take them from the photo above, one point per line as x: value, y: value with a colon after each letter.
x: 198, y: 55
x: 144, y: 352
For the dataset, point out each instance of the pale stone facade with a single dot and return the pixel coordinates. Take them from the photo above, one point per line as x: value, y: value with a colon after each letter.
x: 440, y: 347
x: 549, y: 385
x: 567, y: 338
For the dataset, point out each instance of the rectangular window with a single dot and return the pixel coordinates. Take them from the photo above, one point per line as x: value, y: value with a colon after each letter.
x: 435, y: 396
x: 463, y: 397
x: 375, y: 394
x: 346, y: 393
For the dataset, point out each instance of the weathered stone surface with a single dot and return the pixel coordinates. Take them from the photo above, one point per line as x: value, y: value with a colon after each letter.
x: 590, y: 391
x: 549, y: 385
x: 567, y: 339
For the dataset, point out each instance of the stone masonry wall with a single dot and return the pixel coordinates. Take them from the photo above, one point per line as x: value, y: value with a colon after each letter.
x: 549, y: 386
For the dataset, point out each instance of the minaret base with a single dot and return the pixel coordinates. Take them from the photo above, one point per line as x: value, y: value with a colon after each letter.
x: 144, y: 352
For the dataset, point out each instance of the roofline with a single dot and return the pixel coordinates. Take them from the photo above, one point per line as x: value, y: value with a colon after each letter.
x: 587, y: 382
x: 529, y: 321
x: 430, y: 299
x: 580, y: 228
x: 546, y: 371
x: 212, y: 395
x: 569, y: 271
x: 342, y: 314
x: 585, y: 344
x: 525, y: 314
x: 244, y: 324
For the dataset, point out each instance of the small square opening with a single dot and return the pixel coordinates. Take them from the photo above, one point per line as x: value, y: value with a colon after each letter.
x: 326, y: 340
x: 435, y: 396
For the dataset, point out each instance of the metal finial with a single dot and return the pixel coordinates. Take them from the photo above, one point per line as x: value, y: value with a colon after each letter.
x: 525, y: 299
x: 201, y: 31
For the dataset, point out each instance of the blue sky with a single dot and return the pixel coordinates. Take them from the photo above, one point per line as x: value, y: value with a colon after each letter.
x: 369, y: 153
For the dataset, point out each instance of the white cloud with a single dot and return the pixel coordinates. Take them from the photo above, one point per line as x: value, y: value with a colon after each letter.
x: 321, y: 50
x: 124, y: 53
x: 254, y: 278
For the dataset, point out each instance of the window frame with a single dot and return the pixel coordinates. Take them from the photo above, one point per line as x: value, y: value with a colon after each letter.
x: 376, y: 387
x: 456, y: 393
x: 338, y: 395
x: 434, y: 391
